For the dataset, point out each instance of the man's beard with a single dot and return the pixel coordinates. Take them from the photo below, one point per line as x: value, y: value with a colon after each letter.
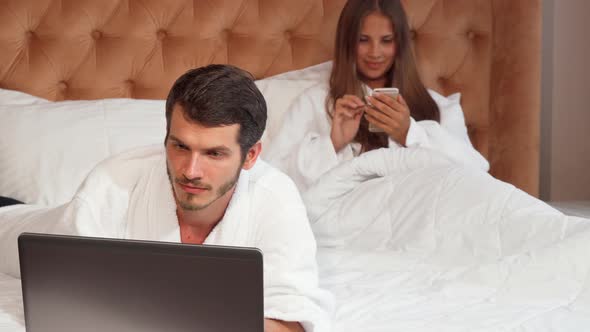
x: 185, y: 204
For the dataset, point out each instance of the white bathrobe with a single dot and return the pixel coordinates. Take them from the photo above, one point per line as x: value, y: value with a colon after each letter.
x: 303, y: 148
x: 129, y: 196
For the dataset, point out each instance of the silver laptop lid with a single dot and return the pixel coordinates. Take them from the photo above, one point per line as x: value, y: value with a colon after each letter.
x: 95, y: 284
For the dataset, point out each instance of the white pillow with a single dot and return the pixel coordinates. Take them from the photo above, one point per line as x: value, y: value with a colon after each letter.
x: 318, y: 73
x: 11, y: 97
x: 48, y: 148
x: 280, y: 92
x: 451, y: 115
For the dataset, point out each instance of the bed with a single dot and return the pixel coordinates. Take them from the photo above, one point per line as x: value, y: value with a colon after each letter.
x: 82, y: 80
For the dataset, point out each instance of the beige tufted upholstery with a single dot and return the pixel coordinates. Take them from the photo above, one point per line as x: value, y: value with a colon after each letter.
x: 489, y: 50
x: 75, y: 49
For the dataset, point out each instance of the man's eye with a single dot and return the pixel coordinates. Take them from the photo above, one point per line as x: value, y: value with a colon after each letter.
x: 215, y: 154
x: 180, y: 146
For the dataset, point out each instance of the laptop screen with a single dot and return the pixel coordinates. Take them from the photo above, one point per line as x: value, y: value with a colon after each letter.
x: 93, y: 284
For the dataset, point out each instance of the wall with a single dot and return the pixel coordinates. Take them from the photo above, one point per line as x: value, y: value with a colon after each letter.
x: 565, y: 119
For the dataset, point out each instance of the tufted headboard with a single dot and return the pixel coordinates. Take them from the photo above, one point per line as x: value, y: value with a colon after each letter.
x: 489, y: 50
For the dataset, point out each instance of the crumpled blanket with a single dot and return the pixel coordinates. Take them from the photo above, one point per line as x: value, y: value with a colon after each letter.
x: 433, y: 246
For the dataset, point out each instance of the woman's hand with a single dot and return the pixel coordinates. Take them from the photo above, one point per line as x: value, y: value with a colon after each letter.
x: 346, y: 119
x: 391, y: 115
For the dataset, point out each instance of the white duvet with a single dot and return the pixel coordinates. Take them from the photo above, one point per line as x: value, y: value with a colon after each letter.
x: 407, y: 243
x: 410, y: 242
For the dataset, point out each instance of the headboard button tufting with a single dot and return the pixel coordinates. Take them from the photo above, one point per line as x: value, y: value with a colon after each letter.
x: 161, y: 34
x: 96, y: 34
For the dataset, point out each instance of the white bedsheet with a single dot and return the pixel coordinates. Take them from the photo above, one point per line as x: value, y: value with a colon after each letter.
x: 380, y: 291
x: 385, y: 291
x: 415, y: 248
x: 11, y: 305
x: 411, y: 244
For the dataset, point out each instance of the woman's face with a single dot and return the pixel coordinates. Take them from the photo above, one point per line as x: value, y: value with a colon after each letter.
x: 375, y: 52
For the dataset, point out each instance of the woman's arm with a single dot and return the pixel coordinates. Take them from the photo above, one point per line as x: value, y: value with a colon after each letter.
x: 448, y: 137
x: 303, y: 148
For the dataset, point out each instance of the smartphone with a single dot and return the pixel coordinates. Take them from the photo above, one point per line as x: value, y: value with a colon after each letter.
x: 391, y: 92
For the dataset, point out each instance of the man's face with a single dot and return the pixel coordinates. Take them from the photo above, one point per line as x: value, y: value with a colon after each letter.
x: 203, y: 163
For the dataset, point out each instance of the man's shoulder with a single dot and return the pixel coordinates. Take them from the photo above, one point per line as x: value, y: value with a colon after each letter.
x: 276, y: 202
x: 126, y: 167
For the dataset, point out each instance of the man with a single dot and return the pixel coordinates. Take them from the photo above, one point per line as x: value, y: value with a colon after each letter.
x: 206, y: 187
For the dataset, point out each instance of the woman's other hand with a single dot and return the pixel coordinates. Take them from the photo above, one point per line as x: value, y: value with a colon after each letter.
x: 391, y: 115
x: 346, y: 119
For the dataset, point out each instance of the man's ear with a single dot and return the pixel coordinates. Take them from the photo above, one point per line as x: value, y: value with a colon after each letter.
x: 252, y: 155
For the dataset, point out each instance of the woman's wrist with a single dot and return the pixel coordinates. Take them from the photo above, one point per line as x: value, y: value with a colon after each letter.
x: 337, y: 143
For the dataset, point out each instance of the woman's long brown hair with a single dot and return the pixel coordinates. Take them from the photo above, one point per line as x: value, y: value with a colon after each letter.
x: 344, y: 78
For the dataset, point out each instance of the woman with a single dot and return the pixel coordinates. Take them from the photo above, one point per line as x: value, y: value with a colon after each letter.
x: 329, y: 123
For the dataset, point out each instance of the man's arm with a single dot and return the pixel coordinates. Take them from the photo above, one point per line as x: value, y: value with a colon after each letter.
x: 291, y: 285
x: 273, y: 325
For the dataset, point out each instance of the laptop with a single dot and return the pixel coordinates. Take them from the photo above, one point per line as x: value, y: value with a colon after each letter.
x: 83, y: 284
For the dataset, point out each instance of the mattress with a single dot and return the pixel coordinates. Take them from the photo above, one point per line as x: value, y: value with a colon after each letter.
x: 379, y: 292
x: 398, y: 293
x: 11, y: 305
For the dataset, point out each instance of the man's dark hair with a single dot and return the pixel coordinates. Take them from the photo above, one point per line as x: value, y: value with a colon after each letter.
x: 220, y: 95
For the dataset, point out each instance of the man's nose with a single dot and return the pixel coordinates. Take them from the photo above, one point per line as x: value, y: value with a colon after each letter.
x: 194, y: 167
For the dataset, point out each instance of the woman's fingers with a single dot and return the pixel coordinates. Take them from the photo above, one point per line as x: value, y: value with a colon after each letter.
x: 355, y: 99
x: 376, y: 122
x: 388, y: 119
x: 349, y: 107
x: 378, y: 104
x: 384, y: 99
x: 345, y: 103
x: 398, y: 105
x: 393, y: 116
x: 348, y: 113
